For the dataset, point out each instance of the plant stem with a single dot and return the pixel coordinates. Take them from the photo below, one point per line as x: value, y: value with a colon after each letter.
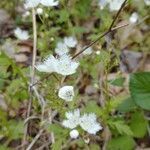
x: 32, y: 73
x: 100, y: 37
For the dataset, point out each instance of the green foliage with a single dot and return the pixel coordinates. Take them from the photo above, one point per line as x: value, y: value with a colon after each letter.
x: 82, y: 8
x: 60, y: 133
x: 118, y: 81
x: 12, y: 129
x: 121, y: 143
x: 57, y: 129
x: 138, y: 124
x: 92, y: 107
x: 3, y: 147
x: 127, y: 105
x: 140, y: 89
x: 120, y: 127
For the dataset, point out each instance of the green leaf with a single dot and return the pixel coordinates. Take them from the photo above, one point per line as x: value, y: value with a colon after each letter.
x: 121, y: 143
x: 117, y: 82
x: 57, y: 129
x: 138, y: 125
x: 93, y: 107
x: 140, y: 89
x: 3, y: 147
x: 57, y: 145
x: 127, y: 105
x: 94, y: 147
x: 120, y: 126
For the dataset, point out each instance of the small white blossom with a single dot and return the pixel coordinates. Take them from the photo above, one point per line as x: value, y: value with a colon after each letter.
x: 88, y: 123
x: 21, y: 34
x: 115, y: 5
x: 61, y: 48
x: 74, y: 134
x: 134, y: 17
x: 73, y: 119
x: 147, y: 2
x: 70, y: 41
x: 49, y: 2
x: 34, y: 3
x: 65, y: 65
x: 66, y: 93
x: 98, y: 52
x: 39, y: 11
x: 88, y: 51
x: 48, y: 65
x: 31, y: 3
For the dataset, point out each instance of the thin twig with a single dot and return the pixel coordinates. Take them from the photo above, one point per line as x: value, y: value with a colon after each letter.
x: 31, y: 118
x: 32, y: 71
x: 117, y: 15
x: 100, y: 37
x: 35, y: 139
x: 34, y: 45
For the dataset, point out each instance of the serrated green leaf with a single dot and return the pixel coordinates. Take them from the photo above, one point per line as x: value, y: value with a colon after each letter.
x: 127, y: 105
x: 140, y: 89
x: 138, y: 125
x: 117, y: 82
x: 121, y: 143
x: 120, y: 126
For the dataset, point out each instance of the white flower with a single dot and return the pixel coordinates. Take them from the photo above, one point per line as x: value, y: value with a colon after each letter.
x: 31, y: 3
x: 61, y: 48
x: 65, y: 65
x: 74, y: 134
x: 98, y: 52
x: 34, y: 3
x: 73, y: 119
x: 70, y: 41
x: 48, y: 65
x: 88, y: 51
x: 134, y: 17
x: 88, y: 123
x: 66, y: 93
x: 49, y: 2
x: 115, y: 5
x: 147, y: 2
x: 39, y: 11
x: 21, y: 34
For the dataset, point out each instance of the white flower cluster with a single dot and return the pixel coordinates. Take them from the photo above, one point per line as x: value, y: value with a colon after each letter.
x: 114, y: 5
x: 63, y: 65
x: 62, y: 47
x: 34, y: 3
x: 87, y: 121
x: 21, y: 34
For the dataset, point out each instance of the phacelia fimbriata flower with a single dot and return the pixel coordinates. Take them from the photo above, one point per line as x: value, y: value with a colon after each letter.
x: 66, y: 93
x: 63, y: 65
